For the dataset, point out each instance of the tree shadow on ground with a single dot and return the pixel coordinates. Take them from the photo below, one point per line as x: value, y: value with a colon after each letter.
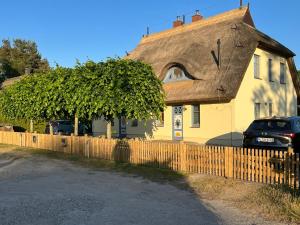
x: 154, y: 170
x: 208, y: 187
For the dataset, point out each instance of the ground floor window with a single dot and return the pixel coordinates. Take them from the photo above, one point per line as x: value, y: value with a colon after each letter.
x: 195, y: 115
x: 134, y: 123
x: 160, y: 122
x: 257, y: 110
x: 270, y: 109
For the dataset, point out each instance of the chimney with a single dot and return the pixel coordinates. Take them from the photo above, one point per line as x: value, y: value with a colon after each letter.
x: 197, y: 16
x: 178, y: 22
x: 27, y: 71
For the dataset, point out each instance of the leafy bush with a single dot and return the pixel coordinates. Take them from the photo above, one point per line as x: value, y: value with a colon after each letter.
x: 22, y: 125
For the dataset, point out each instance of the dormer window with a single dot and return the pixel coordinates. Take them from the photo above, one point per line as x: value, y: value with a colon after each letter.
x: 175, y: 74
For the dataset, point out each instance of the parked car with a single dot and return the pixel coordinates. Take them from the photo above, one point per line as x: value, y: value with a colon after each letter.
x: 65, y: 127
x: 273, y: 133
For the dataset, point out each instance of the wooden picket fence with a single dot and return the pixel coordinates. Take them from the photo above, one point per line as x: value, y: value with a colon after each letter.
x: 264, y: 166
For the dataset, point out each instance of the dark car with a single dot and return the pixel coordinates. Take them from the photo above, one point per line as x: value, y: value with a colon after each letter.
x: 273, y: 133
x: 65, y: 127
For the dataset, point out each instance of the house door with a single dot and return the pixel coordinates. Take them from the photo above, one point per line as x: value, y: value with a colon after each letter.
x: 122, y: 127
x: 177, y: 121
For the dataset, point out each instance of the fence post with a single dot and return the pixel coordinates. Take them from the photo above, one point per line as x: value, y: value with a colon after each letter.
x: 287, y: 166
x: 71, y: 143
x: 290, y: 150
x: 229, y: 162
x: 86, y: 146
x: 183, y: 157
x: 21, y: 135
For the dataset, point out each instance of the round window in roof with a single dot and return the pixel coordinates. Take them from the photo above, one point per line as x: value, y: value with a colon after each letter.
x: 175, y: 74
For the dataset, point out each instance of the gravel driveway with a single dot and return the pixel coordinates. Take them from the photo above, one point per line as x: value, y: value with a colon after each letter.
x: 37, y: 190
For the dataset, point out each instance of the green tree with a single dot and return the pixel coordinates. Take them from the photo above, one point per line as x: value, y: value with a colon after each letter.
x: 83, y: 92
x: 39, y: 96
x: 132, y: 90
x: 21, y: 57
x: 117, y: 87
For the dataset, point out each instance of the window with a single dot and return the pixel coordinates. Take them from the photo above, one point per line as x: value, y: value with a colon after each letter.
x: 160, y: 122
x: 270, y: 72
x: 271, y: 125
x: 257, y: 110
x: 134, y: 123
x: 270, y: 109
x: 195, y: 116
x: 175, y: 74
x: 256, y: 66
x: 297, y: 125
x: 282, y: 73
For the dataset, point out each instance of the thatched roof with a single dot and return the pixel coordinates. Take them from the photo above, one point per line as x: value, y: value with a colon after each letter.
x: 191, y: 46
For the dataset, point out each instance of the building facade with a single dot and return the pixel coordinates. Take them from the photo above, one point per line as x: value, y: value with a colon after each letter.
x: 219, y: 74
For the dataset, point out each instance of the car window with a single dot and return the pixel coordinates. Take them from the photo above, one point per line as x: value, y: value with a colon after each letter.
x: 65, y: 123
x: 297, y: 125
x: 273, y: 125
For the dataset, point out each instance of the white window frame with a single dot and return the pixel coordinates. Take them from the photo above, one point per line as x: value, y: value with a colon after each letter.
x: 282, y: 77
x: 161, y: 121
x: 257, y: 115
x: 256, y: 66
x: 194, y: 125
x: 134, y: 123
x: 170, y: 76
x: 270, y: 71
x: 270, y: 109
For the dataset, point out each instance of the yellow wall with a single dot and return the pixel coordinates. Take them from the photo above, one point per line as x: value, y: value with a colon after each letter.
x: 282, y: 96
x: 216, y: 123
x: 148, y: 130
x: 99, y: 127
x: 224, y: 123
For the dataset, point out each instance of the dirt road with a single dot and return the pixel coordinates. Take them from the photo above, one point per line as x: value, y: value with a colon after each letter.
x: 37, y: 190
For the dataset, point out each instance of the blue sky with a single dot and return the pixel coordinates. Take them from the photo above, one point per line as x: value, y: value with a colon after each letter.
x: 66, y: 30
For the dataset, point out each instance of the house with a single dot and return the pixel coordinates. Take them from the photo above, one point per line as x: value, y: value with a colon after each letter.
x: 219, y: 74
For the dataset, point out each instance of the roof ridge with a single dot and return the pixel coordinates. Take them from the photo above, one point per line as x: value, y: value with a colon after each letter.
x: 201, y: 23
x: 266, y: 36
